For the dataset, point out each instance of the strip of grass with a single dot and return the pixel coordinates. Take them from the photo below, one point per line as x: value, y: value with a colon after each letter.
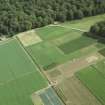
x: 94, y: 81
x: 19, y: 76
x: 85, y: 23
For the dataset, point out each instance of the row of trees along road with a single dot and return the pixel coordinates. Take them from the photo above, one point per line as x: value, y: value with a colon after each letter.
x: 21, y: 15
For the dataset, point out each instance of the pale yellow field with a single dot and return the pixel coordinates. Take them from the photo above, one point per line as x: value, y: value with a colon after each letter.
x: 29, y: 38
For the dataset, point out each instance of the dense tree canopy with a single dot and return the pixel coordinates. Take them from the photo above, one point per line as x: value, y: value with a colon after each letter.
x: 98, y: 29
x: 21, y: 15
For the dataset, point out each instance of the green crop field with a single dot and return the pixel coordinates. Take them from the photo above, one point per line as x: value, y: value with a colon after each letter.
x: 51, y: 32
x: 19, y: 76
x: 94, y: 81
x: 45, y: 54
x: 67, y: 37
x: 77, y: 44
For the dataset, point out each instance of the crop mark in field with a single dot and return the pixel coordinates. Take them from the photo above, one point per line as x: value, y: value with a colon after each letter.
x: 29, y: 38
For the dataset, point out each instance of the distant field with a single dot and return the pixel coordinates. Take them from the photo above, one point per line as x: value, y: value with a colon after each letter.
x: 85, y: 23
x: 94, y: 81
x: 19, y: 76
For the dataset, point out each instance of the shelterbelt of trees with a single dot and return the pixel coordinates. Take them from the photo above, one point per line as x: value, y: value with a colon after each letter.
x: 98, y: 29
x: 21, y: 15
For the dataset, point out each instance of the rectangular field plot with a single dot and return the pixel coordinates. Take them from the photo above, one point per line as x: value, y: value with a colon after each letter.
x: 19, y: 76
x: 76, y: 44
x: 71, y: 35
x: 45, y: 54
x: 51, y: 32
x: 73, y: 92
x: 100, y: 67
x: 29, y: 38
x: 94, y: 81
x: 49, y: 97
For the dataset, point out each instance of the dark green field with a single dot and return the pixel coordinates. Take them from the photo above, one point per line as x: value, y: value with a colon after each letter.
x: 77, y: 44
x: 19, y: 76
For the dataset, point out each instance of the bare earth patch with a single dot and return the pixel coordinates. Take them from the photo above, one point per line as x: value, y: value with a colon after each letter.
x: 68, y: 69
x: 29, y: 38
x: 36, y: 100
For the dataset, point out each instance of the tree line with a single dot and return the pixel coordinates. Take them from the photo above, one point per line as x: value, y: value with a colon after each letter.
x: 21, y: 15
x: 98, y: 29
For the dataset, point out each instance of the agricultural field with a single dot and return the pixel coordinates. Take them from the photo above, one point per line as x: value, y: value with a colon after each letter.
x: 29, y: 38
x: 73, y: 92
x: 71, y: 46
x: 60, y: 42
x: 93, y: 78
x: 66, y: 50
x: 19, y: 76
x: 46, y: 96
x: 47, y: 51
x: 51, y: 32
x: 61, y: 51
